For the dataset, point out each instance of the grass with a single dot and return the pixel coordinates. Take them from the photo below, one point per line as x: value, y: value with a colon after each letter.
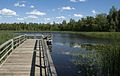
x: 103, y: 35
x: 100, y: 35
x: 100, y: 59
x: 5, y: 36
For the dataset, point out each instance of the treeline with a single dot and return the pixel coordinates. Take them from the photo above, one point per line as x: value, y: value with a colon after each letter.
x: 101, y: 22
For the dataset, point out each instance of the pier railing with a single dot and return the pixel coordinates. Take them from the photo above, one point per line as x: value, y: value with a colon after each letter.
x: 50, y: 68
x: 7, y: 47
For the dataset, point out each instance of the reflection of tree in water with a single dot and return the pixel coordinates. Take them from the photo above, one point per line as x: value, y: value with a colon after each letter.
x: 100, y: 60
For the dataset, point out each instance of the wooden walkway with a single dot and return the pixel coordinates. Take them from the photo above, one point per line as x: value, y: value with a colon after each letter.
x: 19, y: 62
x: 28, y: 59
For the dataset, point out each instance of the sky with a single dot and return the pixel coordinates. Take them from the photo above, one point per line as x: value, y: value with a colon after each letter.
x: 47, y: 11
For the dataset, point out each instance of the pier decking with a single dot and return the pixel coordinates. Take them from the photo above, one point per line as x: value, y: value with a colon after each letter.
x: 30, y: 58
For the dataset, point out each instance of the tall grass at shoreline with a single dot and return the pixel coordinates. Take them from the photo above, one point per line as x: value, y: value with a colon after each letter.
x: 100, y: 60
x: 100, y: 35
x: 6, y: 36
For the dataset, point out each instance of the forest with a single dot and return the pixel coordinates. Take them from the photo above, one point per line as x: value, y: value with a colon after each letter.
x: 100, y: 23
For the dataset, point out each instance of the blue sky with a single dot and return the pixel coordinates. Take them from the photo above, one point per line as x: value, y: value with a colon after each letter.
x: 44, y: 11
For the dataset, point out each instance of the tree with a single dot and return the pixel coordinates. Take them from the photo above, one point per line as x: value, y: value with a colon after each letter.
x: 71, y: 25
x: 102, y: 22
x: 63, y: 27
x: 112, y: 19
x: 118, y: 20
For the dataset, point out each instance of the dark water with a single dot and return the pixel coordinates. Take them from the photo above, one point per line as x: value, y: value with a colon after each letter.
x: 63, y: 46
x: 74, y: 55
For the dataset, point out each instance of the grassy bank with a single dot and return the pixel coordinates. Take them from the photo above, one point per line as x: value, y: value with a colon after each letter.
x: 6, y: 36
x: 101, y: 35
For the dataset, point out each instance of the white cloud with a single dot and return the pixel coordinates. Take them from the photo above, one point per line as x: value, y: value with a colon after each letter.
x: 36, y: 12
x: 7, y: 16
x: 20, y: 19
x: 32, y: 6
x: 93, y: 11
x: 47, y: 19
x: 6, y: 11
x: 68, y: 8
x: 19, y: 5
x: 78, y: 15
x: 60, y: 17
x: 77, y: 0
x: 27, y: 17
x: 31, y: 17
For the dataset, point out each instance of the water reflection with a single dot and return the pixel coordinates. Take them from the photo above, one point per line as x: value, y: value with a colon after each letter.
x: 99, y: 60
x: 91, y: 57
x: 74, y: 55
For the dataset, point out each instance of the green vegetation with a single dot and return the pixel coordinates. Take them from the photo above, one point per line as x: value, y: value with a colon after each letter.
x: 5, y: 36
x: 99, y: 59
x: 100, y: 23
x: 99, y: 35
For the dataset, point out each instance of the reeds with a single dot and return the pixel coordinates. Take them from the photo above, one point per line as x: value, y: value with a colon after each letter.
x: 5, y: 36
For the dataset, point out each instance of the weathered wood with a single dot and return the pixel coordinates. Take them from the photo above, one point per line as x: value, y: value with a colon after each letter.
x: 19, y: 63
x: 9, y: 45
x: 28, y: 59
x: 51, y: 71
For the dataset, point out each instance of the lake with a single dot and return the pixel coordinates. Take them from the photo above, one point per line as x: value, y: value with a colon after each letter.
x: 75, y: 55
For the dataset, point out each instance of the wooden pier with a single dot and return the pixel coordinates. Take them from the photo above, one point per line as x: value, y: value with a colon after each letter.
x: 26, y: 56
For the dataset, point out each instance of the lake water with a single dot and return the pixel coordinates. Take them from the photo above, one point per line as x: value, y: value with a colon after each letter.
x: 75, y: 55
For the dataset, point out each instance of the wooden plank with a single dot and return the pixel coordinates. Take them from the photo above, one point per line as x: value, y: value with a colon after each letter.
x: 49, y: 59
x: 19, y: 62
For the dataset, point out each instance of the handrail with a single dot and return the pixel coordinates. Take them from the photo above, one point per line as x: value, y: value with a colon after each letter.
x: 7, y: 47
x: 48, y: 60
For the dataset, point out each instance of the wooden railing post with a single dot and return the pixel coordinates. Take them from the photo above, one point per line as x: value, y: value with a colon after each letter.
x: 51, y: 71
x: 19, y: 39
x: 25, y: 36
x: 9, y: 46
x: 12, y: 44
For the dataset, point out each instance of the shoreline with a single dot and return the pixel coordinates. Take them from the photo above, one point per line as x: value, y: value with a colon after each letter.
x: 99, y: 35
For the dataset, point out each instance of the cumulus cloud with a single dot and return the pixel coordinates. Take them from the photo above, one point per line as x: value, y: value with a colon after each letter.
x: 32, y: 6
x: 47, y: 19
x: 20, y: 19
x: 60, y: 17
x: 19, y: 5
x: 78, y: 15
x: 27, y: 17
x: 36, y: 12
x: 68, y: 8
x: 93, y: 11
x: 31, y: 17
x: 6, y: 11
x: 77, y: 0
x: 7, y: 16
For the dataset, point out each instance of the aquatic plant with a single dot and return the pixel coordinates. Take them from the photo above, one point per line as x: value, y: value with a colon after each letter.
x: 99, y: 60
x: 6, y: 36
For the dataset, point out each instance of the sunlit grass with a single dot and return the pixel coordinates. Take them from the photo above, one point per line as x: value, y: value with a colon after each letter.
x: 5, y: 36
x: 101, y: 35
x: 101, y: 57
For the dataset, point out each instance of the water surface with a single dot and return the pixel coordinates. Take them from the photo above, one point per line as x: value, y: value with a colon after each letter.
x: 75, y: 55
